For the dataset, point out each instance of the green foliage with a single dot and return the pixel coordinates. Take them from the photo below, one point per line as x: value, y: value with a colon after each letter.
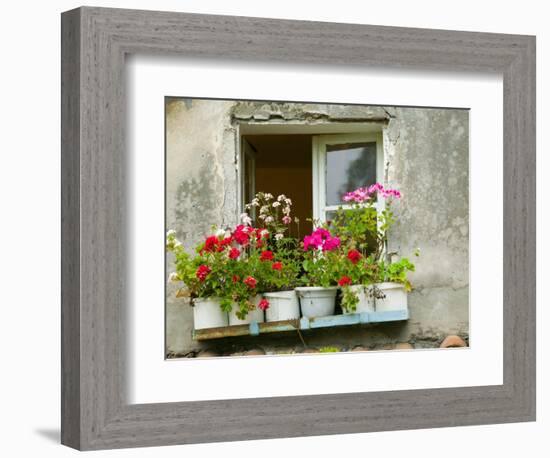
x: 397, y: 272
x: 320, y: 268
x: 362, y: 227
x: 356, y: 227
x: 350, y: 299
x: 329, y: 350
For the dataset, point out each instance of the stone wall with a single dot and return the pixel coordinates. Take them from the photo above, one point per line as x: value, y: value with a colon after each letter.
x: 426, y: 153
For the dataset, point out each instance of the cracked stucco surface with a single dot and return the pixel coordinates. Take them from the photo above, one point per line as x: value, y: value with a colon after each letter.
x: 426, y: 155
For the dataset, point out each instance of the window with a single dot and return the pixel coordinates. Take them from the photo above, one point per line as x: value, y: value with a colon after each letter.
x: 342, y: 163
x: 315, y: 170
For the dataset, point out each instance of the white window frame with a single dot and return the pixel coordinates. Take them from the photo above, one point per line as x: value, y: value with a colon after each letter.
x: 320, y: 143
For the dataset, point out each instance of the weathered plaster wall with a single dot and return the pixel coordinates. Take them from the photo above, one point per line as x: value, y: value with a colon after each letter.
x: 201, y: 190
x: 426, y: 158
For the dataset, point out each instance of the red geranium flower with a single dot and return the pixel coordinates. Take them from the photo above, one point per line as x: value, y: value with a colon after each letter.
x: 235, y: 278
x: 202, y: 272
x: 240, y: 235
x: 263, y: 304
x: 354, y: 256
x: 277, y: 265
x: 234, y: 253
x: 266, y: 255
x: 250, y: 282
x: 344, y: 281
x: 211, y: 243
x: 226, y: 241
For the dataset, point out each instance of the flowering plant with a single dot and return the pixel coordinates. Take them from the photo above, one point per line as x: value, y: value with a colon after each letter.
x: 320, y: 258
x: 277, y: 271
x: 224, y: 267
x: 352, y: 268
x: 280, y: 260
x: 273, y: 214
x: 200, y: 275
x: 362, y: 227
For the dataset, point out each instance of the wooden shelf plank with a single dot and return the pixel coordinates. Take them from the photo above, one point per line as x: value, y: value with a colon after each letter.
x: 254, y: 328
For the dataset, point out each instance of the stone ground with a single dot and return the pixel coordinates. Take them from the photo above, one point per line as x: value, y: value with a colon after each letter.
x: 236, y: 349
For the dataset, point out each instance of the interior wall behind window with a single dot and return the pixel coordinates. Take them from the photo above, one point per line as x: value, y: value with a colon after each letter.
x: 283, y: 166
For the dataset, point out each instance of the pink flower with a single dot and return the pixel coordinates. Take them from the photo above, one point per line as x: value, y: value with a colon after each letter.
x: 361, y: 195
x: 234, y: 253
x: 287, y: 219
x: 321, y: 238
x: 391, y: 193
x: 263, y: 304
x: 331, y: 244
x: 376, y: 187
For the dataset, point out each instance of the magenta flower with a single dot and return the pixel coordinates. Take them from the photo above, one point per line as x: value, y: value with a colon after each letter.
x: 331, y: 244
x: 361, y: 195
x: 321, y: 238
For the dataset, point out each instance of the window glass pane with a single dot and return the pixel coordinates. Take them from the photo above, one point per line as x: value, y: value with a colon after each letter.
x: 349, y: 166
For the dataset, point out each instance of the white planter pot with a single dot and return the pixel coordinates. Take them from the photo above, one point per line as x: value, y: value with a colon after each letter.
x: 396, y: 297
x: 316, y: 301
x: 256, y: 315
x: 283, y: 305
x: 208, y: 314
x: 366, y: 299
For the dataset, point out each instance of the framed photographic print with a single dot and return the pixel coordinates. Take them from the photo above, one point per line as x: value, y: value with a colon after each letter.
x: 287, y: 228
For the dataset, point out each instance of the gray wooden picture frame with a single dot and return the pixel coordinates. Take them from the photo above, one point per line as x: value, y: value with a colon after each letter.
x: 95, y: 413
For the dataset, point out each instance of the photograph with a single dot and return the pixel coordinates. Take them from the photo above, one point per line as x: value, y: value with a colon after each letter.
x: 298, y: 228
x: 271, y: 229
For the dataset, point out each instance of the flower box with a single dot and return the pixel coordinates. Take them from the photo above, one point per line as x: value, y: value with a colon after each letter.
x: 395, y: 297
x: 365, y: 295
x: 283, y: 305
x: 317, y: 301
x: 256, y: 314
x: 208, y: 314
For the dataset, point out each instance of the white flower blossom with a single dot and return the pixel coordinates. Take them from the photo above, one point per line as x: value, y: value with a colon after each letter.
x: 264, y: 209
x: 267, y: 195
x: 264, y: 233
x: 177, y: 243
x: 220, y: 232
x: 286, y: 210
x: 288, y: 201
x: 246, y: 220
x: 281, y: 197
x: 170, y: 233
x: 279, y: 236
x: 269, y: 219
x: 173, y: 277
x: 276, y: 204
x: 255, y: 202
